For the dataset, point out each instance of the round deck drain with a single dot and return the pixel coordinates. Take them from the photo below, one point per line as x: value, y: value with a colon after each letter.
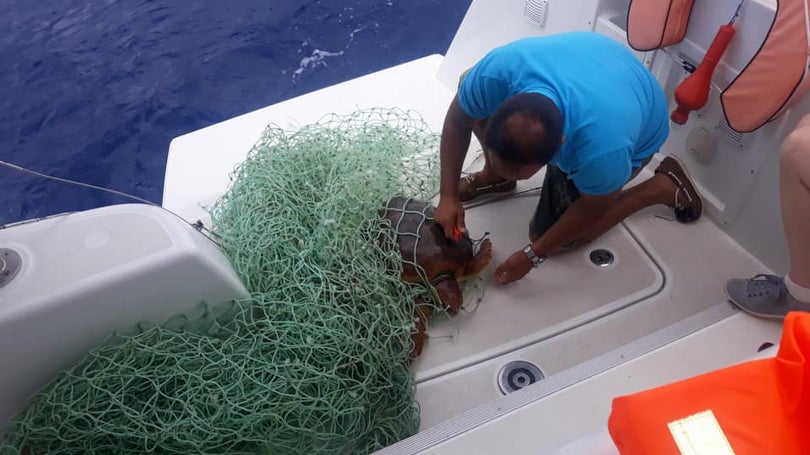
x: 602, y: 257
x: 10, y: 262
x: 517, y: 375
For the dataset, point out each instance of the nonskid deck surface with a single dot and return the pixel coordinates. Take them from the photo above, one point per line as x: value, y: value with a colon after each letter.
x: 565, y: 292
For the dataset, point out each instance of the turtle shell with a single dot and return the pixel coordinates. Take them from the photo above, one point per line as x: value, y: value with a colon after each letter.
x: 428, y: 257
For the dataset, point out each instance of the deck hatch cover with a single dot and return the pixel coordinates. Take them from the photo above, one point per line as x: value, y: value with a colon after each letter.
x: 10, y: 264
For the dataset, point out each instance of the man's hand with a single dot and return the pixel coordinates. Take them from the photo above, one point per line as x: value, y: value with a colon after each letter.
x: 450, y: 216
x: 516, y: 267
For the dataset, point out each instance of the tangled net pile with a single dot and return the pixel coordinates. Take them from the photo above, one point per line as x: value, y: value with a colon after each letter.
x: 315, y: 361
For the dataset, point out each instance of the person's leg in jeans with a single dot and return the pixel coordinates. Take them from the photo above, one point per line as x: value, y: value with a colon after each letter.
x: 770, y: 295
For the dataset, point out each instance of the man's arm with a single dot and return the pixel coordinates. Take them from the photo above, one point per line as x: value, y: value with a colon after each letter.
x: 455, y: 141
x: 574, y: 222
x: 456, y: 134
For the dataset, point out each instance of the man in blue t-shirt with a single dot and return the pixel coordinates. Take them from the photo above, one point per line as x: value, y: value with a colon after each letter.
x: 580, y: 104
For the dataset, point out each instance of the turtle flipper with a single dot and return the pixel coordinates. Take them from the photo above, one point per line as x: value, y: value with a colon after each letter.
x: 449, y: 294
x: 479, y: 261
x: 421, y: 314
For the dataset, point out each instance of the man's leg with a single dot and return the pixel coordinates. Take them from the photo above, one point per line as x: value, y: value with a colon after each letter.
x: 486, y: 174
x: 485, y: 181
x: 661, y: 188
x: 658, y: 189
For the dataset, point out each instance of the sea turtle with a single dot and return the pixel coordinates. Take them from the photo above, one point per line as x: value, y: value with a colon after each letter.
x: 431, y: 259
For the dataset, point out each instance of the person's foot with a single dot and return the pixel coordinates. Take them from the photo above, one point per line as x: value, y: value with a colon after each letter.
x: 476, y: 185
x: 764, y: 296
x: 688, y: 205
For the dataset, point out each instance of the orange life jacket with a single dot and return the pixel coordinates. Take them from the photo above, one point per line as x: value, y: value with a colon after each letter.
x: 760, y: 407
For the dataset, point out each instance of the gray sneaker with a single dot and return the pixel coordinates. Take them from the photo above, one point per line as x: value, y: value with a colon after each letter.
x: 763, y: 295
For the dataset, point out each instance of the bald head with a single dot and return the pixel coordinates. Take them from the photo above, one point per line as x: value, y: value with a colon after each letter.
x: 525, y: 133
x: 526, y: 129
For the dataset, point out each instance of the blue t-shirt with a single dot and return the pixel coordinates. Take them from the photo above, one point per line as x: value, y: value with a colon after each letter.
x: 614, y: 111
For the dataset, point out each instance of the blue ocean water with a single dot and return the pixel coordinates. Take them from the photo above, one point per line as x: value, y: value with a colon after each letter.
x: 95, y: 90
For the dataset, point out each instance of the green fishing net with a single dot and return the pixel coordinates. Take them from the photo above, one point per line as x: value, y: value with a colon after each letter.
x: 315, y: 361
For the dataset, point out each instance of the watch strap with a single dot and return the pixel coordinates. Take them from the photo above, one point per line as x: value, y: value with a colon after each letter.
x: 536, y: 260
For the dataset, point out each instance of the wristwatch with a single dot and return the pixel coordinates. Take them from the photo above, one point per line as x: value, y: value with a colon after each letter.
x: 536, y: 260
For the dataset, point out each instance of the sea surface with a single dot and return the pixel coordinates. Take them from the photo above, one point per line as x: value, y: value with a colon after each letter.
x: 94, y: 90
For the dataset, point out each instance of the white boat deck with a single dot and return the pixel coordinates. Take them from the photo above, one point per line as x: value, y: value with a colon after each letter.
x: 566, y: 317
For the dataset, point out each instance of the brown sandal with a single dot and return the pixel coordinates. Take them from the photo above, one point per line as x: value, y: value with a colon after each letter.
x: 469, y: 188
x: 688, y: 205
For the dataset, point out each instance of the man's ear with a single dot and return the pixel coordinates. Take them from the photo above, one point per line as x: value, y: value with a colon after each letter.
x: 562, y: 140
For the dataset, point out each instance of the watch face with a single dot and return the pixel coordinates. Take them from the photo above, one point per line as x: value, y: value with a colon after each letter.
x: 536, y: 260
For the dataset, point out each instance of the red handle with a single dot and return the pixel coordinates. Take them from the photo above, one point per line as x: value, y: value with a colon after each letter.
x: 693, y: 93
x: 457, y: 233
